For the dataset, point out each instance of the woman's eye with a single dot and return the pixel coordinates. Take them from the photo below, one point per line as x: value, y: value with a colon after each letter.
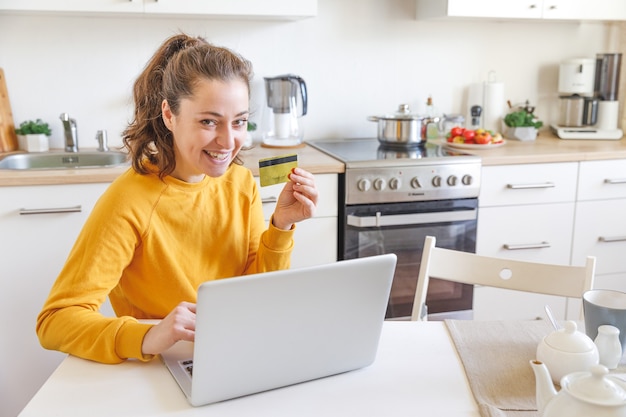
x: 240, y: 123
x: 209, y: 122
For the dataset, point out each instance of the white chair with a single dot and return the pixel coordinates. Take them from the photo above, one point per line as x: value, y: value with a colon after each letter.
x: 469, y: 268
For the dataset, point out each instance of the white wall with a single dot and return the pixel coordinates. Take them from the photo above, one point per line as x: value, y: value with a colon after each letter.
x: 358, y: 57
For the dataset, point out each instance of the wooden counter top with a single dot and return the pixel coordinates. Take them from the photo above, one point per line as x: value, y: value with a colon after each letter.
x: 308, y: 158
x: 549, y: 148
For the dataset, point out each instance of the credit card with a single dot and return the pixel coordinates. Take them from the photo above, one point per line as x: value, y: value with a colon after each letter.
x: 275, y: 170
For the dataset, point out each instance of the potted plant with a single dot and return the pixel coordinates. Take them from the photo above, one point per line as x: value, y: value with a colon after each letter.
x: 33, y: 136
x: 251, y: 128
x: 522, y: 124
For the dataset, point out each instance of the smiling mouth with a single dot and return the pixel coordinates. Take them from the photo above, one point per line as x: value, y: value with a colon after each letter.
x: 217, y: 155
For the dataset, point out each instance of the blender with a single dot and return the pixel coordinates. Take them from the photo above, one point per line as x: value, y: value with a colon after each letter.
x: 286, y: 104
x: 589, y: 105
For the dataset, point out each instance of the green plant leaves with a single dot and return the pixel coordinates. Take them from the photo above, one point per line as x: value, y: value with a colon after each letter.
x: 33, y: 128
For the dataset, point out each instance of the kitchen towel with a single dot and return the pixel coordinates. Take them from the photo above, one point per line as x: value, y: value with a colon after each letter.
x: 493, y: 105
x: 496, y: 356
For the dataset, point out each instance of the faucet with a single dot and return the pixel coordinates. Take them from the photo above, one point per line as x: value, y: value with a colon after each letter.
x: 101, y: 137
x: 71, y: 134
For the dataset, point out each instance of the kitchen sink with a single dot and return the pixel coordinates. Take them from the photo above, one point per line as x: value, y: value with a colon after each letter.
x: 63, y: 160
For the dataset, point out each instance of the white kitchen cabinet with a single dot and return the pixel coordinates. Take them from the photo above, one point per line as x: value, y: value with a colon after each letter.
x: 315, y: 238
x: 280, y: 9
x: 86, y: 6
x: 526, y: 212
x: 34, y: 247
x: 600, y: 228
x: 523, y: 9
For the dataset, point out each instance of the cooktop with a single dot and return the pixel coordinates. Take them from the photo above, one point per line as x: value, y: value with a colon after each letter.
x: 369, y: 152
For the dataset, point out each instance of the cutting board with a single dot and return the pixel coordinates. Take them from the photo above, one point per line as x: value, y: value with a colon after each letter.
x: 8, y: 138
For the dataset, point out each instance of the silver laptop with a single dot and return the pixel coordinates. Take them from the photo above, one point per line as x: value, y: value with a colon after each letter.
x: 265, y: 331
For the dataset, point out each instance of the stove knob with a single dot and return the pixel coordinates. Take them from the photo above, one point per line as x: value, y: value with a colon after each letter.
x: 452, y: 180
x: 467, y: 180
x: 379, y: 184
x: 415, y: 183
x: 363, y: 184
x: 436, y: 181
x: 394, y: 183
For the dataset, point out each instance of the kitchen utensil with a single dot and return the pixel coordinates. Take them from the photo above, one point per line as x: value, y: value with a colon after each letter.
x: 551, y: 317
x: 8, y: 138
x: 286, y: 103
x: 605, y: 307
x: 567, y: 350
x: 583, y: 394
x: 402, y: 128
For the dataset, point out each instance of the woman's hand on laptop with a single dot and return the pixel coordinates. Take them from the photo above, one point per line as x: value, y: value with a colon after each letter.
x: 297, y: 201
x: 179, y: 324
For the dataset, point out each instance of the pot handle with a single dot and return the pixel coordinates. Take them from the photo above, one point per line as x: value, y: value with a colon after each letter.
x: 373, y: 118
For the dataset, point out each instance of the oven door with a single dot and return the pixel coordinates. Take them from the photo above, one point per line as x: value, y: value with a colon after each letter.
x: 401, y: 228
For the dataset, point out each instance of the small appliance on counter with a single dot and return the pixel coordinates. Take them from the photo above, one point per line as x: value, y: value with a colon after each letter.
x: 286, y: 103
x: 589, y: 105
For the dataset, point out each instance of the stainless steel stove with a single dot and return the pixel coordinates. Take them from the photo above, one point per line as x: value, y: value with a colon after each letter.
x: 380, y: 174
x: 392, y: 198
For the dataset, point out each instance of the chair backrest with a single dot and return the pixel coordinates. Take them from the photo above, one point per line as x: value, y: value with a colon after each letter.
x: 469, y: 268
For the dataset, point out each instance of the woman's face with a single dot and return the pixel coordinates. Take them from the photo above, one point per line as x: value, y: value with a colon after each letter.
x: 209, y: 129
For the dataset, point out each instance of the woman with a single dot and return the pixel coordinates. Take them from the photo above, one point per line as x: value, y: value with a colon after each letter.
x: 186, y: 212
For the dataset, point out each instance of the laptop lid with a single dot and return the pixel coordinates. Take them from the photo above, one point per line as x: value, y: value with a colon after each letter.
x: 264, y: 331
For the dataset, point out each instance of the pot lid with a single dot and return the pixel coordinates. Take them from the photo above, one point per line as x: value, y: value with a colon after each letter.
x: 595, y: 387
x: 569, y: 339
x: 403, y: 113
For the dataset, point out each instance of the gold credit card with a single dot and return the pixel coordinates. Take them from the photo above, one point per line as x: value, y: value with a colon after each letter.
x: 276, y: 169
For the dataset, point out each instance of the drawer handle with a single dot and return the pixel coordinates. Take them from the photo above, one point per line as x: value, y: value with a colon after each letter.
x: 612, y: 239
x: 508, y: 246
x: 615, y: 181
x: 269, y: 200
x: 527, y: 186
x: 75, y: 209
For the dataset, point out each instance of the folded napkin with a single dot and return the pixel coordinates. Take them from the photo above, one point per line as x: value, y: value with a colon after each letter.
x: 496, y: 355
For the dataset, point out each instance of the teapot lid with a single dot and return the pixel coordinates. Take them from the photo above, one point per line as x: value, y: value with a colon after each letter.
x: 595, y: 387
x: 569, y: 339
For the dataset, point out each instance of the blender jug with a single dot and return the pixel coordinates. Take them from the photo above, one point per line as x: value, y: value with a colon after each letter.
x: 286, y: 104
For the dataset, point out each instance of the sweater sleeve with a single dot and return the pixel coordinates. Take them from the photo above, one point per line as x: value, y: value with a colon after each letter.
x: 70, y: 320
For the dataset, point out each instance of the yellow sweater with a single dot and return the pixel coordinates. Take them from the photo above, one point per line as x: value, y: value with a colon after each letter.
x: 149, y: 244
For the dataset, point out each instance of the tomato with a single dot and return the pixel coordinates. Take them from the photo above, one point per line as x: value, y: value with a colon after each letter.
x: 483, y: 138
x: 456, y: 131
x: 469, y: 135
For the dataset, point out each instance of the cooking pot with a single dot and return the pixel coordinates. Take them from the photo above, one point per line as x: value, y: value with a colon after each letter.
x: 402, y: 128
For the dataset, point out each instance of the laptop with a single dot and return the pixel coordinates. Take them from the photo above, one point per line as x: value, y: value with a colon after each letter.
x: 264, y: 331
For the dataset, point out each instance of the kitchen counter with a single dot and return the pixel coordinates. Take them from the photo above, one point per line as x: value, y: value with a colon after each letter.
x: 549, y: 148
x: 309, y: 158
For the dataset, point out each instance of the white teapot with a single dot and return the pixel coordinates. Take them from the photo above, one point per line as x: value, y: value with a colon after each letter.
x: 567, y: 350
x: 583, y: 394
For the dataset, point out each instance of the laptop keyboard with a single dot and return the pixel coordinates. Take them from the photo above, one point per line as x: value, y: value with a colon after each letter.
x: 187, y: 365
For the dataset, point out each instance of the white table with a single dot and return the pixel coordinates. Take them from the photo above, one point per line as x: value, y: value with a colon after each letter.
x: 417, y: 372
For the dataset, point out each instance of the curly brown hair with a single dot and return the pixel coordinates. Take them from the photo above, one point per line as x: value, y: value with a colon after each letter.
x: 171, y: 74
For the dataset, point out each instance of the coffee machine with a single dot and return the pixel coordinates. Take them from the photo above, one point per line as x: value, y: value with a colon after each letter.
x: 286, y: 103
x: 589, y: 105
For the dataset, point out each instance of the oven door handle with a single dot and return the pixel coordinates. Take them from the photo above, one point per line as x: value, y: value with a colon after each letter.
x: 380, y: 220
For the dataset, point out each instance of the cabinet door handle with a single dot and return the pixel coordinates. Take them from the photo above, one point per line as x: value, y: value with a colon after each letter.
x: 75, y: 209
x: 527, y: 186
x: 509, y: 246
x: 269, y: 200
x: 612, y: 239
x: 615, y: 181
